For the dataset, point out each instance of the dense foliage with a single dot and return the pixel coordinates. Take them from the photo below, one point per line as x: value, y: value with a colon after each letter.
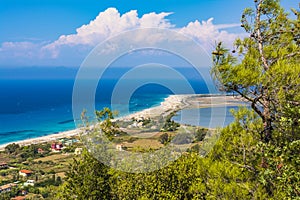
x: 264, y: 68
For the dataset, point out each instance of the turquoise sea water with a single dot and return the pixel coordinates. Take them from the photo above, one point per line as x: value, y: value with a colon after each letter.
x: 33, y: 108
x: 36, y: 102
x: 30, y: 108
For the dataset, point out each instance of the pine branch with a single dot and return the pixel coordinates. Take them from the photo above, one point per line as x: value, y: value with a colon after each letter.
x: 259, y: 36
x: 285, y: 57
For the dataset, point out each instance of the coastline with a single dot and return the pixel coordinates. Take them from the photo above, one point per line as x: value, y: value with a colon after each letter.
x: 42, y: 139
x: 170, y: 104
x: 175, y: 103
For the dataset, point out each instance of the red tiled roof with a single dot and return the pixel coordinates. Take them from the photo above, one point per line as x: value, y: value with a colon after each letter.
x: 4, y: 187
x: 3, y: 163
x: 25, y: 171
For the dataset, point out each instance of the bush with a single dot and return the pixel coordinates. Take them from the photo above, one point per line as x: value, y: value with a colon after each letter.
x: 183, y: 138
x: 132, y: 139
x: 164, y: 138
x: 12, y: 148
x: 2, y: 173
x: 200, y: 134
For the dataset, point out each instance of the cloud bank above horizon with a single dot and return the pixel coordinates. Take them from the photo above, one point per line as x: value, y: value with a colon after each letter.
x: 71, y: 49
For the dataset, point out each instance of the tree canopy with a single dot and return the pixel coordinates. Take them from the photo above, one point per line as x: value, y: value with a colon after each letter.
x: 264, y: 67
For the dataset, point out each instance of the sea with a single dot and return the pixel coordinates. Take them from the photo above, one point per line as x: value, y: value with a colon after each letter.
x: 37, y: 101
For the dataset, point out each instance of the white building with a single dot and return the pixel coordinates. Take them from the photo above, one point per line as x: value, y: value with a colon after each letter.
x: 29, y: 183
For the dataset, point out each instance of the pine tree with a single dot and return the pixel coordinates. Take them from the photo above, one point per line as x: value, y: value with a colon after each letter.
x: 87, y: 179
x: 264, y: 65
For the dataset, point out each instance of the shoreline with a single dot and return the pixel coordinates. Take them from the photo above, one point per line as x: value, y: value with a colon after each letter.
x: 43, y: 139
x: 170, y: 104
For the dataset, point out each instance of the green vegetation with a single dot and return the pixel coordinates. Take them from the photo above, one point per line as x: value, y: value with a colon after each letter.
x: 200, y: 134
x: 264, y: 68
x: 109, y: 127
x: 86, y: 178
x: 47, y: 169
x: 170, y: 125
x: 234, y: 169
x: 164, y: 138
x: 12, y: 148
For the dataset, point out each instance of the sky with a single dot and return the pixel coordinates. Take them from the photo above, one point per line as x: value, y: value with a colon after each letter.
x: 63, y: 32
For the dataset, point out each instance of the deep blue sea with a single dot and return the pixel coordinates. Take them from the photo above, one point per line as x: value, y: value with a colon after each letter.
x: 37, y: 103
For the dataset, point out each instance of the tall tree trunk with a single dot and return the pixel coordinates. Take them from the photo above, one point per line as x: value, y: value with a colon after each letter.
x: 267, y: 121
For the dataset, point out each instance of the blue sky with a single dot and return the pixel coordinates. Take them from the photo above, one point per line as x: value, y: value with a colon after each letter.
x: 29, y: 25
x: 48, y: 19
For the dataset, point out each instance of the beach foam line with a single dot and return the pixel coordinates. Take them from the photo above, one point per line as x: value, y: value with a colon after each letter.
x: 171, y: 103
x: 42, y: 139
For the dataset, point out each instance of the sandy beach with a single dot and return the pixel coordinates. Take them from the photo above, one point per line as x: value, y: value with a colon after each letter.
x: 179, y: 102
x: 170, y: 104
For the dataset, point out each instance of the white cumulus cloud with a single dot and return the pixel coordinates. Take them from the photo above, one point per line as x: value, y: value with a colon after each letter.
x: 110, y: 23
x: 206, y: 33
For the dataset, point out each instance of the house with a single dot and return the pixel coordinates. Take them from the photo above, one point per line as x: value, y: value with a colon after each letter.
x: 56, y: 147
x: 25, y: 172
x: 40, y: 151
x: 78, y: 151
x: 3, y: 165
x: 29, y: 183
x: 7, y: 187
